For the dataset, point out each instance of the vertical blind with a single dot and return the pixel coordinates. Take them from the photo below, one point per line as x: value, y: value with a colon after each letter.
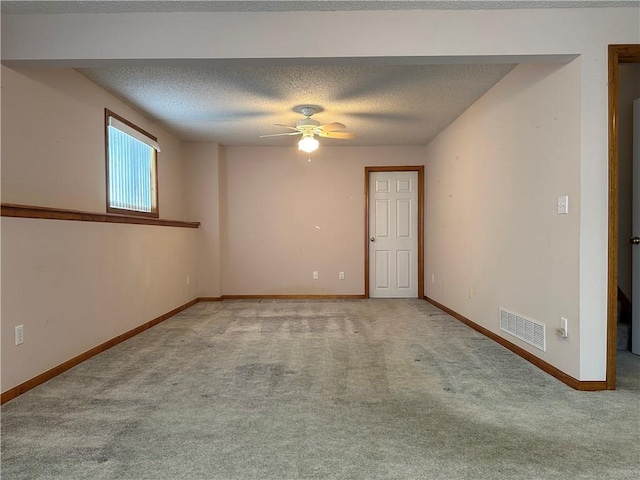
x: 131, y: 172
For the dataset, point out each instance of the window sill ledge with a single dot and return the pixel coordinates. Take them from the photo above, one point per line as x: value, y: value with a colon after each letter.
x: 31, y: 211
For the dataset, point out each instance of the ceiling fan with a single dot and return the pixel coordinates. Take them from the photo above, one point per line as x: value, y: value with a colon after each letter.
x: 309, y: 127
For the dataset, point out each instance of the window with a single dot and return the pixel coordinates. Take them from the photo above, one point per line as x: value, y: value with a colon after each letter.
x: 132, y: 180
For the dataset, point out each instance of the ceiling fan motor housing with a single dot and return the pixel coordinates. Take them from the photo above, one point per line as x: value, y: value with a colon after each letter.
x: 307, y: 123
x: 307, y: 111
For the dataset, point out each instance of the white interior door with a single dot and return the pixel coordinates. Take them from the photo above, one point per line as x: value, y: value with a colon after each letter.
x: 635, y: 267
x: 393, y: 234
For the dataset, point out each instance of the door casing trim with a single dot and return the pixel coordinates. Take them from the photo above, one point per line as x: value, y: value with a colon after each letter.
x: 617, y: 54
x: 404, y: 168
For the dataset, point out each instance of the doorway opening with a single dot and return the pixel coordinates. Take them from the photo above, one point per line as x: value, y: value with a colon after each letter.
x: 420, y: 223
x: 617, y: 54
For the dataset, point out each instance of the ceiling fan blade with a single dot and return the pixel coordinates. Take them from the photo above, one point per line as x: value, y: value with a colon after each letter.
x: 329, y: 127
x: 342, y: 135
x: 280, y: 134
x: 284, y: 126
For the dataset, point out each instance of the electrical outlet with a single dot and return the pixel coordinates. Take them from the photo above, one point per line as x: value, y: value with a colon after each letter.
x: 341, y: 276
x: 563, y: 205
x: 188, y: 280
x: 315, y: 275
x: 470, y: 292
x: 433, y: 278
x: 19, y: 334
x: 562, y: 331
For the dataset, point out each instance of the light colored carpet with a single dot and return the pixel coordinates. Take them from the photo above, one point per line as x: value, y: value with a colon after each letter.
x: 365, y: 389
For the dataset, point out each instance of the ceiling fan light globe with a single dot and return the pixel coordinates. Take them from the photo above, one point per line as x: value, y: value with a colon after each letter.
x: 308, y: 144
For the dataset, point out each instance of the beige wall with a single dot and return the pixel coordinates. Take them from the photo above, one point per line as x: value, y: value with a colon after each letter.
x: 629, y: 90
x: 492, y: 182
x: 202, y: 165
x: 285, y: 217
x: 381, y: 36
x: 75, y: 285
x: 53, y: 150
x: 424, y: 34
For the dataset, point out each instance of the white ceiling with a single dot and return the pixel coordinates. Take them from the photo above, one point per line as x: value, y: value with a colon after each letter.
x: 402, y: 103
x: 381, y: 104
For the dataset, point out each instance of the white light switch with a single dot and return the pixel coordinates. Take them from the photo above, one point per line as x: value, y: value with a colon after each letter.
x: 563, y: 205
x: 19, y: 334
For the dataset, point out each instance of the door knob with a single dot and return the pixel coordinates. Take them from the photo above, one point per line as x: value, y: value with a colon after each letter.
x: 373, y: 239
x: 634, y: 240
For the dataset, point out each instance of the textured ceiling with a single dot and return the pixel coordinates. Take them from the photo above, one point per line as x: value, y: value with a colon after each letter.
x: 381, y: 104
x: 234, y: 104
x: 118, y: 6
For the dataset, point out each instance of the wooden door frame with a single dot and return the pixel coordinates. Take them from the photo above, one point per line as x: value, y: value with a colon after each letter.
x: 405, y: 168
x: 617, y: 54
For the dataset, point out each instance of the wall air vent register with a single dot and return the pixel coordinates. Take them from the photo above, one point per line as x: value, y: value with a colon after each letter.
x: 526, y: 329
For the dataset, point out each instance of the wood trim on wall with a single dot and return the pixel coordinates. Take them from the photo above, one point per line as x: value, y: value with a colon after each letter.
x: 63, y: 367
x: 31, y: 211
x: 406, y: 168
x: 291, y: 297
x: 538, y: 362
x: 55, y: 371
x: 617, y: 54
